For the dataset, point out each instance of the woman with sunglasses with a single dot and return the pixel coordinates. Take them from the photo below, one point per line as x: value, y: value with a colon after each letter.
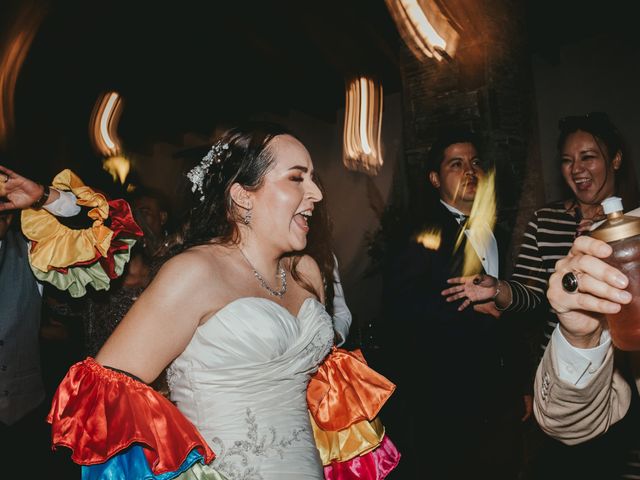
x: 594, y: 166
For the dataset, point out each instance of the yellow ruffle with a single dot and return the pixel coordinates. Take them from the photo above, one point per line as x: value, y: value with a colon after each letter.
x: 59, y: 246
x: 358, y: 439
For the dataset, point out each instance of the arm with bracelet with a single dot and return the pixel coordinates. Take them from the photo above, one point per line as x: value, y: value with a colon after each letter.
x: 19, y: 193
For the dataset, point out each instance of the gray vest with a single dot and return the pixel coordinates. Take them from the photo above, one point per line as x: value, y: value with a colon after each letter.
x: 21, y: 387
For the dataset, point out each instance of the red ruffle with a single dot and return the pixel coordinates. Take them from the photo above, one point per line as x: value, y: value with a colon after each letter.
x: 345, y: 390
x: 122, y: 223
x: 97, y: 412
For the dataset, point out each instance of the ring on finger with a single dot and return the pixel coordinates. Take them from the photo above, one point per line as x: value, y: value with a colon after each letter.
x: 570, y: 282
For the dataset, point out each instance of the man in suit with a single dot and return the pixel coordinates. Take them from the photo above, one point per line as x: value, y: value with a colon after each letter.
x: 469, y: 361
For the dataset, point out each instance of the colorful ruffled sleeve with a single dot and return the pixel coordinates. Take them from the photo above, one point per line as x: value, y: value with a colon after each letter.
x: 118, y: 427
x: 70, y: 259
x: 344, y: 398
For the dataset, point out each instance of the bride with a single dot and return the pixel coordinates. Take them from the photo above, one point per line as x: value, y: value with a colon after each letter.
x: 241, y: 326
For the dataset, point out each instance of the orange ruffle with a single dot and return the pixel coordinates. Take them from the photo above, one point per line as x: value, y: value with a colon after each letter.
x: 345, y: 390
x: 58, y: 245
x: 97, y: 412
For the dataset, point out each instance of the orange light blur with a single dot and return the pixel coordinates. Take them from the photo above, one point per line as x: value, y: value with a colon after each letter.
x: 103, y: 129
x: 363, y: 125
x: 104, y: 124
x: 13, y: 51
x: 424, y: 28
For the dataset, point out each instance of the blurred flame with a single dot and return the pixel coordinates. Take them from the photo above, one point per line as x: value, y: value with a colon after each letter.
x: 424, y: 28
x: 13, y: 51
x: 430, y: 238
x: 118, y: 167
x: 362, y: 126
x: 104, y: 124
x: 480, y: 223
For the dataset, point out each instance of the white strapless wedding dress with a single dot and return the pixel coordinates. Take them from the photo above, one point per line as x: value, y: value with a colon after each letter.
x: 242, y: 381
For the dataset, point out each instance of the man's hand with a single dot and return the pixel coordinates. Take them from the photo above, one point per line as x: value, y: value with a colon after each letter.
x: 18, y: 192
x: 475, y: 288
x: 600, y: 291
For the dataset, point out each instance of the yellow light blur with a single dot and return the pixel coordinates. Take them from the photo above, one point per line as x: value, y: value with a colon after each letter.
x: 118, y: 167
x: 481, y: 221
x: 17, y: 41
x: 430, y: 239
x: 363, y: 125
x: 424, y: 28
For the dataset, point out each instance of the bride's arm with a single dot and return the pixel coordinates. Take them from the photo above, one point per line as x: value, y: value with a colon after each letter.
x: 162, y: 321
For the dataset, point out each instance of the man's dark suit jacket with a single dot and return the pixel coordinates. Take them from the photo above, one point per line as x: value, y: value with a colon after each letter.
x: 472, y: 365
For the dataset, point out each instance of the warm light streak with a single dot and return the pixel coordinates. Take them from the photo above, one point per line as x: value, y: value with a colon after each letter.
x: 104, y: 124
x: 17, y: 41
x: 430, y: 239
x: 363, y: 125
x: 424, y: 28
x: 363, y: 117
x: 481, y: 221
x: 104, y: 121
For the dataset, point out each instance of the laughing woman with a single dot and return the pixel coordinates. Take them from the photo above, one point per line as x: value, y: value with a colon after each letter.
x: 241, y: 325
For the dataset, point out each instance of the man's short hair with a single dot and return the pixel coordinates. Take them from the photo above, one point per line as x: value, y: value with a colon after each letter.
x: 445, y: 139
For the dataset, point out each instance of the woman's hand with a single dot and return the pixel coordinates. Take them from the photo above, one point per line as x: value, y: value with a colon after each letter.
x: 476, y: 288
x: 600, y: 291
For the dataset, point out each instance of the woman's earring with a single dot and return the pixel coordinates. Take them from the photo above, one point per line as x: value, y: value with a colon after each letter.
x: 247, y: 217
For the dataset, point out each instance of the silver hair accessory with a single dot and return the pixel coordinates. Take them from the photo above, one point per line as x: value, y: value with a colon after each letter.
x: 216, y: 154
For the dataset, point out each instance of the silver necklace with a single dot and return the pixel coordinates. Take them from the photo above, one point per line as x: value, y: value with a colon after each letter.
x: 281, y: 273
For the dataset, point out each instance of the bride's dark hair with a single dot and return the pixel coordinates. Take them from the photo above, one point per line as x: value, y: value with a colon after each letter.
x: 246, y: 159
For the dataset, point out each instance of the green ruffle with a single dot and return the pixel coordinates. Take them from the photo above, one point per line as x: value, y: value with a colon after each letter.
x: 76, y: 279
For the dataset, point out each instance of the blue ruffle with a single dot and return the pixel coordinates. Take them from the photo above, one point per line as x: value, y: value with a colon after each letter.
x: 131, y: 463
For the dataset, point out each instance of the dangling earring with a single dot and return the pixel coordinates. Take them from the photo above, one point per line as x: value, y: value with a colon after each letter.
x: 247, y: 217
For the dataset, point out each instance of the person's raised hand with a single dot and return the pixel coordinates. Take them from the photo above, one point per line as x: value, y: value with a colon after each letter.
x: 583, y: 288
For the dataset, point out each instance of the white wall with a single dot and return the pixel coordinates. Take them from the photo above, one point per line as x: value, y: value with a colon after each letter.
x: 601, y: 74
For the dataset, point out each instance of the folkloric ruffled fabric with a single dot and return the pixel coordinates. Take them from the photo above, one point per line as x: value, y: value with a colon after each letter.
x: 344, y: 398
x: 358, y: 439
x: 59, y: 245
x: 99, y: 413
x: 345, y: 390
x: 132, y: 463
x: 375, y: 465
x: 70, y: 258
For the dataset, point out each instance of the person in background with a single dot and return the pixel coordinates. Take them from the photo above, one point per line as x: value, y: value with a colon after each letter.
x: 580, y: 390
x: 594, y: 165
x: 22, y: 391
x: 320, y: 248
x: 474, y: 421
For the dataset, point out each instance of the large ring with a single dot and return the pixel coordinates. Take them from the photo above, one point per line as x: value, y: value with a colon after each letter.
x: 570, y: 282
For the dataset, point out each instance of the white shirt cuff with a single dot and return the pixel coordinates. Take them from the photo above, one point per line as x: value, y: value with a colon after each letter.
x: 578, y: 365
x: 64, y: 206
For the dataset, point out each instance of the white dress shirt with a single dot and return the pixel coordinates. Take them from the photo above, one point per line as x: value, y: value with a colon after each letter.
x: 482, y: 240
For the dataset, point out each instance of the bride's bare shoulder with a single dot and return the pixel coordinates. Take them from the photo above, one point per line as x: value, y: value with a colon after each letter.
x: 198, y: 263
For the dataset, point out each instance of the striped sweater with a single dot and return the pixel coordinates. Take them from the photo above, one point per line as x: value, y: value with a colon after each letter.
x: 547, y: 238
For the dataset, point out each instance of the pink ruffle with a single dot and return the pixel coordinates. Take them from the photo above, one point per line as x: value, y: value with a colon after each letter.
x: 374, y: 465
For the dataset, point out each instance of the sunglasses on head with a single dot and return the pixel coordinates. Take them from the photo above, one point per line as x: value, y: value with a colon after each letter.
x: 572, y: 122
